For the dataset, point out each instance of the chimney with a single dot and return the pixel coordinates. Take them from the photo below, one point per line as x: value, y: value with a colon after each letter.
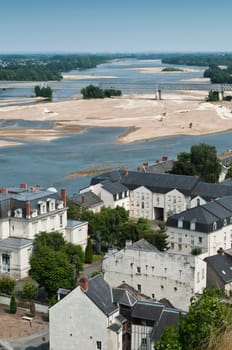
x: 128, y: 243
x: 164, y: 158
x: 63, y: 196
x: 157, y: 161
x: 84, y: 283
x: 33, y: 189
x: 126, y: 173
x: 23, y: 186
x: 145, y: 165
x: 220, y: 251
x: 28, y: 210
x: 139, y: 169
x: 4, y: 190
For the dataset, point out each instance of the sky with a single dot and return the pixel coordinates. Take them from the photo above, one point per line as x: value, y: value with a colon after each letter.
x: 115, y: 26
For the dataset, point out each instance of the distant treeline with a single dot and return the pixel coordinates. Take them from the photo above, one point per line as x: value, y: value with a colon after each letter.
x: 215, y: 72
x: 44, y: 68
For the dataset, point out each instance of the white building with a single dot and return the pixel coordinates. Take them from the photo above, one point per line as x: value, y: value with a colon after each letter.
x: 176, y: 277
x: 24, y: 212
x: 97, y: 316
x: 208, y: 227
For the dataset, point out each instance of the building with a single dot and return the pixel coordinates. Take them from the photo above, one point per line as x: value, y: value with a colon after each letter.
x: 26, y: 211
x: 88, y: 200
x: 208, y: 227
x: 176, y: 277
x: 219, y: 270
x: 96, y: 316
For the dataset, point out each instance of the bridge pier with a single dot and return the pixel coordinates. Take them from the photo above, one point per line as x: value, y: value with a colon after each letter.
x: 158, y: 94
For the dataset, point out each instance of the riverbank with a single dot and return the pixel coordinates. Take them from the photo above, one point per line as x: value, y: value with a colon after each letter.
x: 185, y: 113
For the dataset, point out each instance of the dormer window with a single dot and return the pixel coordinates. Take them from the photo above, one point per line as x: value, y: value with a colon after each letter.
x: 18, y: 213
x: 180, y: 222
x: 117, y: 197
x: 42, y: 207
x: 224, y: 222
x: 214, y: 225
x: 193, y: 225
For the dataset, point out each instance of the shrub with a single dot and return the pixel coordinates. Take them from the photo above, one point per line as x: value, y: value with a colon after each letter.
x: 29, y: 291
x: 13, y: 306
x: 7, y: 285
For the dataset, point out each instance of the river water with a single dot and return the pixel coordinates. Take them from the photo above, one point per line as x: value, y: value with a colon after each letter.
x: 49, y: 163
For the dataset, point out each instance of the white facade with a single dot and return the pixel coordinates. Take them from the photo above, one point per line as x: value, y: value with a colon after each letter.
x: 183, y: 240
x: 176, y: 277
x: 27, y: 212
x: 77, y: 323
x: 76, y: 232
x: 151, y: 205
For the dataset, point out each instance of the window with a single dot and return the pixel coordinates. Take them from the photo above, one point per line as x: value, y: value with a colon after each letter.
x: 99, y: 345
x: 138, y: 270
x: 198, y: 277
x: 214, y: 226
x: 193, y: 225
x: 139, y: 287
x: 172, y: 245
x: 180, y: 223
x: 144, y: 342
x: 200, y: 240
x: 142, y: 204
x: 153, y: 296
x: 179, y: 246
x: 61, y: 220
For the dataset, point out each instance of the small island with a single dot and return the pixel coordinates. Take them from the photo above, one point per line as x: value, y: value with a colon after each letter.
x: 172, y: 69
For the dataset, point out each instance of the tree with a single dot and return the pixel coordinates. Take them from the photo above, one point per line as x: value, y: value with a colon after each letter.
x: 92, y: 91
x: 29, y: 291
x: 207, y: 165
x: 51, y: 269
x: 13, y: 305
x: 207, y: 315
x: 7, y: 285
x: 89, y: 252
x: 201, y: 161
x: 158, y: 238
x: 55, y: 263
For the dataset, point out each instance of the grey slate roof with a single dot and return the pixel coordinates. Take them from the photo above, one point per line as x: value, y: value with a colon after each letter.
x: 87, y: 199
x: 142, y: 244
x: 74, y: 223
x: 168, y: 318
x: 144, y: 310
x: 115, y: 327
x: 15, y: 242
x: 122, y: 297
x: 211, y: 191
x: 114, y: 187
x: 113, y: 176
x: 160, y: 183
x: 222, y: 265
x: 219, y: 212
x: 160, y: 168
x: 101, y: 295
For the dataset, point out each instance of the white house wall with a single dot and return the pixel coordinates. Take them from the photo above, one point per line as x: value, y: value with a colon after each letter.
x: 78, y: 234
x: 174, y: 202
x: 183, y: 241
x: 137, y: 209
x: 4, y: 228
x: 176, y: 277
x: 76, y: 323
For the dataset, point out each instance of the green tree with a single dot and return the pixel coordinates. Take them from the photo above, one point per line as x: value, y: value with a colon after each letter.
x: 229, y: 172
x: 207, y: 315
x: 89, y: 252
x: 53, y: 240
x: 92, y: 91
x: 51, y: 269
x: 7, y: 285
x: 13, y: 305
x: 207, y: 165
x: 29, y: 291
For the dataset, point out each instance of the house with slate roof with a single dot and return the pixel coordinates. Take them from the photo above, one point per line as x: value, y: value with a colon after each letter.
x: 219, y: 270
x: 173, y: 276
x: 88, y: 200
x: 96, y: 316
x: 24, y: 212
x: 152, y: 196
x: 208, y: 227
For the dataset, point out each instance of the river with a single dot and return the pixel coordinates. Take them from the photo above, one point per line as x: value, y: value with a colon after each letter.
x: 49, y: 163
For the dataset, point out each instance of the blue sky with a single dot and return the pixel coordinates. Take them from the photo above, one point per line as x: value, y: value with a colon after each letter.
x: 115, y: 26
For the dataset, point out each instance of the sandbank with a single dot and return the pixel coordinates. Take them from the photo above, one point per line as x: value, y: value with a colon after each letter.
x: 86, y: 76
x: 142, y: 116
x: 156, y: 70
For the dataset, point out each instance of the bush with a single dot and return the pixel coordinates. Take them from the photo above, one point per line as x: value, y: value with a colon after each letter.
x: 13, y: 306
x: 29, y: 291
x: 196, y: 251
x: 7, y: 285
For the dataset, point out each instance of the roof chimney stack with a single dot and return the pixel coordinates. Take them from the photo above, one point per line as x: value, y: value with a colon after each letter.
x: 84, y: 283
x: 63, y: 196
x: 28, y: 210
x: 23, y: 186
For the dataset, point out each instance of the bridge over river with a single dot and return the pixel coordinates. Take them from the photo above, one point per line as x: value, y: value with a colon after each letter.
x: 161, y: 87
